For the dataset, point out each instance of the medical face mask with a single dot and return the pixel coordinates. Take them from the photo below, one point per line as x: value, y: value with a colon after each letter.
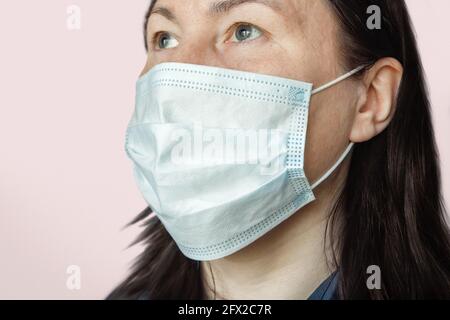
x: 218, y: 154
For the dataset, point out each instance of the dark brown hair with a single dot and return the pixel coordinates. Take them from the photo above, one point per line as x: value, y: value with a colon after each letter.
x: 391, y: 202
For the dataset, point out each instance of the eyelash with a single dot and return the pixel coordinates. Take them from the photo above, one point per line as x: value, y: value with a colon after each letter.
x: 156, y: 35
x: 155, y: 38
x: 235, y: 26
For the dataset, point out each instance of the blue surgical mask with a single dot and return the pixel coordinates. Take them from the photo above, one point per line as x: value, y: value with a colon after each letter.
x: 218, y: 154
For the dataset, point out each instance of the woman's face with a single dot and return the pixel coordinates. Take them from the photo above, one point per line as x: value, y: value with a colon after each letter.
x: 297, y: 39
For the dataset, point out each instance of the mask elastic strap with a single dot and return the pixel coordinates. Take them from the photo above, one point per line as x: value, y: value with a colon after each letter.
x: 350, y: 146
x: 341, y: 78
x: 331, y: 170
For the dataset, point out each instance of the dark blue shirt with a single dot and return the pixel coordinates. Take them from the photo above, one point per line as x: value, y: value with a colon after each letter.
x: 327, y: 290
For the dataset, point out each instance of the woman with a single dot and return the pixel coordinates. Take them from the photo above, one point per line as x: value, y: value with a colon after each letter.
x: 376, y: 229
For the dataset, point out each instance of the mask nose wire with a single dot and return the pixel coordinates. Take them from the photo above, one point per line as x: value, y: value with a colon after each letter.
x: 336, y: 81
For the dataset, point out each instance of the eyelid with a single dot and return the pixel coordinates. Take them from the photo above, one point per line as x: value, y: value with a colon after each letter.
x: 237, y: 24
x: 155, y: 36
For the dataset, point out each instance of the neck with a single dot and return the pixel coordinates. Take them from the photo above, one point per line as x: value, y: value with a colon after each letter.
x: 289, y: 262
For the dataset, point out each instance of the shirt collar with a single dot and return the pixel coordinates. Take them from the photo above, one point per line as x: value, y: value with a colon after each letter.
x: 327, y: 290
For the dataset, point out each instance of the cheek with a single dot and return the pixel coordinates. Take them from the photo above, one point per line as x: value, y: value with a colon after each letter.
x: 269, y: 59
x: 285, y: 55
x: 149, y: 63
x: 329, y: 126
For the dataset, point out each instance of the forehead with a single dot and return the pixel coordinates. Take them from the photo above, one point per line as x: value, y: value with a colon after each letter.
x: 219, y: 6
x: 304, y: 20
x: 216, y: 8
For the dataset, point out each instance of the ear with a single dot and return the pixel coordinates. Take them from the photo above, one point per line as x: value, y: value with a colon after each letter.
x: 376, y: 105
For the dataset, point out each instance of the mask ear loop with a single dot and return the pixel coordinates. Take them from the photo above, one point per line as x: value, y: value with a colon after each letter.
x: 334, y: 167
x: 351, y: 145
x: 341, y: 78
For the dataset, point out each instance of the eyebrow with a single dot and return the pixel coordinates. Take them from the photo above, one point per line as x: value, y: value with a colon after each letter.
x: 217, y: 8
x: 163, y: 12
x: 224, y: 6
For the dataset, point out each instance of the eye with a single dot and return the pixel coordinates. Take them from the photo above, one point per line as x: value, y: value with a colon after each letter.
x: 164, y: 40
x: 245, y: 31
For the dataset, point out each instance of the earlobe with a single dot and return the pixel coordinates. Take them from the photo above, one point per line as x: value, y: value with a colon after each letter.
x: 377, y: 102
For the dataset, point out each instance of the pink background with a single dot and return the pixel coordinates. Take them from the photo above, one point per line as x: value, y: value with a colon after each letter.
x: 66, y: 186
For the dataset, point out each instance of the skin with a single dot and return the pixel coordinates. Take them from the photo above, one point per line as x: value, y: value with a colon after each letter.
x: 299, y: 40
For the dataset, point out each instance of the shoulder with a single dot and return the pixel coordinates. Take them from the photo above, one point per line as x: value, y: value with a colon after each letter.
x: 328, y: 290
